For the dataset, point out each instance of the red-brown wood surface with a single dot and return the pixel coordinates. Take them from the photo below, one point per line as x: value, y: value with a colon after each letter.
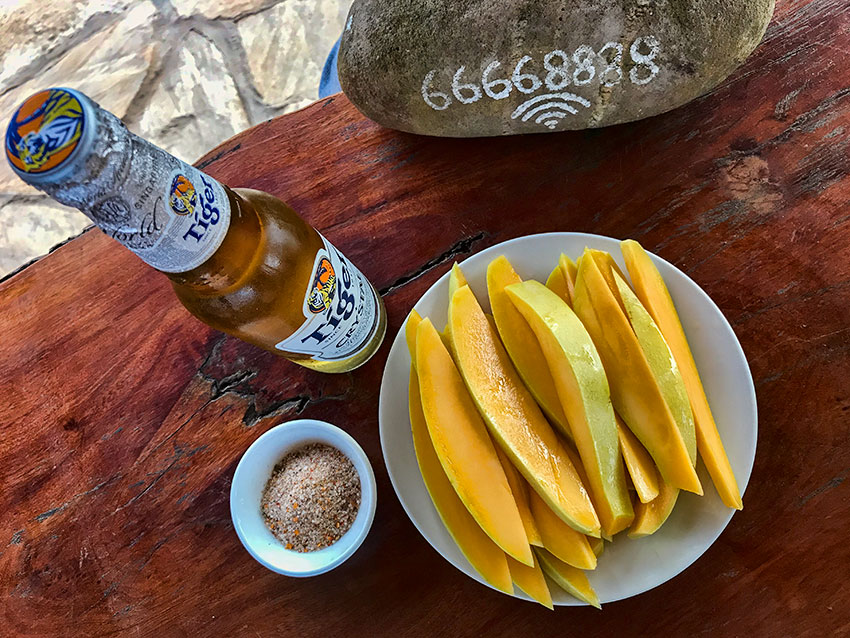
x: 123, y: 418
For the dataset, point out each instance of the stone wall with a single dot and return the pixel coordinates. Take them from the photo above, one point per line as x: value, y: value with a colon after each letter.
x: 185, y: 74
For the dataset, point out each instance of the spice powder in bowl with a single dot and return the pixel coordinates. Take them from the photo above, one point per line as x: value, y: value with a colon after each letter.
x: 311, y: 498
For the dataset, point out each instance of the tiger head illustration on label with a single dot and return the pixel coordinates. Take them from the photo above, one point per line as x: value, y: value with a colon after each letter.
x: 183, y: 198
x: 323, y: 288
x: 44, y: 131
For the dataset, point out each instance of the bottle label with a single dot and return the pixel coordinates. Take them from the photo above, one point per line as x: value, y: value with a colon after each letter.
x: 341, y: 310
x: 188, y: 223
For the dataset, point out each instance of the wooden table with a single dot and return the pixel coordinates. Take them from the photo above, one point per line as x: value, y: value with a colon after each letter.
x: 123, y: 417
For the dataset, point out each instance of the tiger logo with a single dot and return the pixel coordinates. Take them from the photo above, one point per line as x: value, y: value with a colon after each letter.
x: 323, y: 288
x: 44, y: 131
x: 183, y: 198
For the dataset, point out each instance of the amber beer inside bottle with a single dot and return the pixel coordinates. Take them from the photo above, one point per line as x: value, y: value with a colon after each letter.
x: 254, y: 285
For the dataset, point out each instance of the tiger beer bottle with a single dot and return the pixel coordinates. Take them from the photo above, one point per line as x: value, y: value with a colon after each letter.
x: 240, y: 260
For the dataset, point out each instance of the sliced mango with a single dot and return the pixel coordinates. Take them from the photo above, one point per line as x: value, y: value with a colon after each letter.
x: 650, y: 516
x: 512, y: 415
x: 483, y: 554
x: 583, y: 390
x: 662, y: 364
x: 531, y: 581
x: 569, y: 270
x: 456, y: 279
x: 464, y: 447
x: 563, y: 541
x: 558, y: 284
x: 522, y: 345
x: 638, y: 463
x: 634, y: 390
x: 571, y: 580
x: 519, y: 488
x: 410, y: 327
x: 653, y: 292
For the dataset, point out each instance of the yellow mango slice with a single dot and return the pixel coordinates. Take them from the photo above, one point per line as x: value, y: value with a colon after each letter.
x: 652, y: 291
x: 662, y: 364
x: 558, y: 284
x: 638, y: 463
x: 571, y: 580
x: 519, y: 488
x: 456, y: 279
x: 410, y: 327
x: 650, y: 516
x: 531, y: 581
x: 464, y: 447
x: 512, y: 415
x: 583, y: 390
x: 482, y: 553
x: 569, y: 270
x: 634, y: 390
x: 522, y: 345
x: 560, y: 539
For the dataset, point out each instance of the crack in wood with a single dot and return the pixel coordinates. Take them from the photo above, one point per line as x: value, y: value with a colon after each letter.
x: 222, y: 153
x: 55, y: 510
x: 831, y: 484
x: 458, y: 248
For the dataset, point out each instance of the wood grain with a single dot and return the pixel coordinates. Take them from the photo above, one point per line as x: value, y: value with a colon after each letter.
x: 123, y: 417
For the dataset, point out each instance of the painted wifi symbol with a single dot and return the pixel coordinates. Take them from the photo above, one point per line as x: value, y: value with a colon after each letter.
x: 549, y: 109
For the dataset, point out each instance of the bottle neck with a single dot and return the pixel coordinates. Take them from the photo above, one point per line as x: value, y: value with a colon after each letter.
x: 166, y: 211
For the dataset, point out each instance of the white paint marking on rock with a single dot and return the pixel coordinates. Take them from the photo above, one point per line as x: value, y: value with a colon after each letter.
x: 559, y: 74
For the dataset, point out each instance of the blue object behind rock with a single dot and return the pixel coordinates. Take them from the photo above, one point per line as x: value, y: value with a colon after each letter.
x: 329, y: 82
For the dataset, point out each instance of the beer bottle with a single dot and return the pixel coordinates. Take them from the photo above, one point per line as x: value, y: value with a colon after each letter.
x: 240, y: 260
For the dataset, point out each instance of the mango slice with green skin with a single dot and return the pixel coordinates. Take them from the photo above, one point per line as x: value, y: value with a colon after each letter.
x: 571, y: 580
x: 651, y: 516
x: 634, y: 390
x: 653, y: 292
x: 583, y: 390
x: 558, y: 284
x: 662, y: 364
x: 560, y: 539
x: 464, y: 447
x: 522, y: 345
x: 513, y: 417
x: 531, y: 581
x: 639, y: 464
x: 483, y: 554
x: 520, y: 490
x: 569, y: 270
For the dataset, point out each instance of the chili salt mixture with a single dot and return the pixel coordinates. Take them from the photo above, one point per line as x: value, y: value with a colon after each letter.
x: 312, y: 497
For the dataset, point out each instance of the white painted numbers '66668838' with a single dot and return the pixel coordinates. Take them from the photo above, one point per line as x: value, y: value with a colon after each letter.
x: 560, y: 70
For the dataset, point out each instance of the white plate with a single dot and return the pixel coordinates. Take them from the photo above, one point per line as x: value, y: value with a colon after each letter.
x: 627, y: 567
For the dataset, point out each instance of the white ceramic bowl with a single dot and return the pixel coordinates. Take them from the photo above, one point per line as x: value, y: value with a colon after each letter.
x: 627, y: 567
x: 254, y: 469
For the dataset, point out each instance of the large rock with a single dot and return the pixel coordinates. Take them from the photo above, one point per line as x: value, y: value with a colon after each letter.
x: 468, y: 68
